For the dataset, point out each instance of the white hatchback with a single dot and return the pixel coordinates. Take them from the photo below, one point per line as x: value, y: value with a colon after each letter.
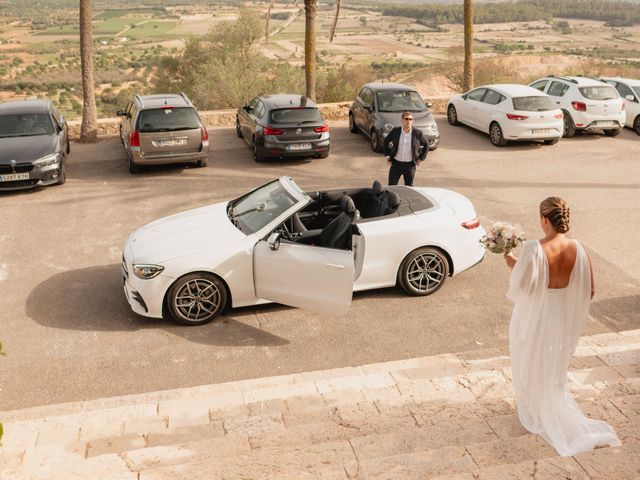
x: 508, y: 112
x: 629, y: 90
x: 587, y: 103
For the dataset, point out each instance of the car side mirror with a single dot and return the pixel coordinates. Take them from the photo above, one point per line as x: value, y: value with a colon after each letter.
x: 631, y: 98
x: 121, y: 113
x: 274, y: 241
x: 429, y: 104
x: 248, y: 108
x: 367, y: 106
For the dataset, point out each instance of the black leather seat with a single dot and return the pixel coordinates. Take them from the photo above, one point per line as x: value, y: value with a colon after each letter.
x: 338, y: 233
x: 389, y: 202
x: 372, y: 201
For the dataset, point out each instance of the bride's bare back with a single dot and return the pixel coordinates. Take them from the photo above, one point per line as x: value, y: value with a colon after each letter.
x: 561, y: 256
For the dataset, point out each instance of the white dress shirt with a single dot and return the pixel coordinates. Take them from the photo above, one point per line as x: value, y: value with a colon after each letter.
x: 404, y: 147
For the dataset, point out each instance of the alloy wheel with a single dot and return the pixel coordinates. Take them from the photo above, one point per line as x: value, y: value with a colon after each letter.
x: 197, y: 301
x: 425, y: 272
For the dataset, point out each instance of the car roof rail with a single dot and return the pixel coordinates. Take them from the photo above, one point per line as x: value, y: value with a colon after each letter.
x: 186, y: 99
x: 139, y: 99
x: 563, y: 77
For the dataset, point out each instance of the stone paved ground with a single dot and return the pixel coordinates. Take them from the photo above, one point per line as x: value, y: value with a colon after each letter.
x: 448, y: 417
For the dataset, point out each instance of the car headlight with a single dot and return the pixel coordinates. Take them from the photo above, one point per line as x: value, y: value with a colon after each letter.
x: 48, y: 160
x: 145, y: 272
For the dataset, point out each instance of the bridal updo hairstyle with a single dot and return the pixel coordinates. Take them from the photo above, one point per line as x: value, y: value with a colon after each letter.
x: 556, y: 211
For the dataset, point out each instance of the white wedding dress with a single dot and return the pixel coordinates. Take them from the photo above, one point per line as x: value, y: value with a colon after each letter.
x: 543, y: 333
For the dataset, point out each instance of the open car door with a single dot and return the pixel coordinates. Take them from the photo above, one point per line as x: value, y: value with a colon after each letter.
x: 304, y: 276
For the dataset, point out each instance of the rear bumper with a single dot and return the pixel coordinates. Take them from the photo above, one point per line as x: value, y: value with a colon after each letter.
x: 141, y: 158
x: 584, y: 121
x: 318, y: 148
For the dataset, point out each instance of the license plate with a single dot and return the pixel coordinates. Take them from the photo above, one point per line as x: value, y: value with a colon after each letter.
x: 14, y: 176
x: 606, y: 124
x: 300, y: 146
x: 542, y: 130
x: 169, y: 142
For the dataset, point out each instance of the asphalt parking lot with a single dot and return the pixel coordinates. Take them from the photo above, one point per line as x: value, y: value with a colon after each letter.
x: 69, y: 333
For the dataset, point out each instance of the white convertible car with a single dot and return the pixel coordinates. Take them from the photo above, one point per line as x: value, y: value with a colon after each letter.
x: 308, y: 250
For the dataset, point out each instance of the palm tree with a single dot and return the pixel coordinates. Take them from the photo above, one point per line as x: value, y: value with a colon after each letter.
x: 89, y: 127
x: 467, y: 78
x: 310, y: 11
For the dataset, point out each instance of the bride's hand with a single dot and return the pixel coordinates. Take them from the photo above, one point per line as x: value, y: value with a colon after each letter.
x: 510, y: 259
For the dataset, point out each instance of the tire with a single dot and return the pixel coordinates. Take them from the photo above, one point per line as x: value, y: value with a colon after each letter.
x: 238, y: 130
x: 258, y: 153
x: 613, y: 133
x: 569, y: 127
x: 551, y: 141
x: 63, y: 173
x: 636, y: 125
x: 496, y: 136
x: 196, y: 299
x: 452, y: 116
x: 423, y: 271
x: 353, y: 128
x: 68, y: 147
x: 376, y: 141
x: 202, y: 163
x: 133, y: 167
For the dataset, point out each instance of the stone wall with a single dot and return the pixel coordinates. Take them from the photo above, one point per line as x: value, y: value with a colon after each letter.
x: 109, y: 127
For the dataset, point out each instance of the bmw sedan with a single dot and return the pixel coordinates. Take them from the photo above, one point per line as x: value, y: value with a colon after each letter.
x: 508, y: 112
x: 34, y: 144
x: 308, y: 250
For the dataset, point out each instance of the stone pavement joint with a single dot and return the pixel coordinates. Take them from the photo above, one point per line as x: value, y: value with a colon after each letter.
x: 448, y: 417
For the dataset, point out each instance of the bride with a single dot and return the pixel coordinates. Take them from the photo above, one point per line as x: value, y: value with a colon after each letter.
x: 551, y: 287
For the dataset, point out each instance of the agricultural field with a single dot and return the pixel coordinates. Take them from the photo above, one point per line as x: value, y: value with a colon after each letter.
x: 42, y: 59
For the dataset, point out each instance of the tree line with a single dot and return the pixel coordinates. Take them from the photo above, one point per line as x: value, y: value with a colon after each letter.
x: 615, y: 13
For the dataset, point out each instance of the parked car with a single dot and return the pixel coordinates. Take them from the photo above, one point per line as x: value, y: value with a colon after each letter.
x: 283, y: 126
x: 309, y: 250
x: 629, y: 90
x: 587, y: 104
x: 34, y: 144
x: 378, y: 108
x: 163, y: 128
x: 508, y: 112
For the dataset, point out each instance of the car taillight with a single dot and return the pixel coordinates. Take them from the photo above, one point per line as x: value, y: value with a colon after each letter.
x: 475, y: 223
x: 166, y: 107
x: 204, y: 135
x: 513, y: 116
x: 272, y: 131
x: 323, y: 128
x: 579, y: 106
x: 559, y: 115
x: 134, y: 139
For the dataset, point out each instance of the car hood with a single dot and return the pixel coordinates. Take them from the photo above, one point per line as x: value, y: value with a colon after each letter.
x: 420, y: 119
x: 187, y: 233
x: 26, y: 149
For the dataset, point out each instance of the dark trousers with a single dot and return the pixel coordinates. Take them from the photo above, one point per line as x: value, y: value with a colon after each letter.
x: 407, y: 170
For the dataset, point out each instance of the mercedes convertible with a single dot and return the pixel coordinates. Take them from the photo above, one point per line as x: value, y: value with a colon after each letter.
x: 310, y: 250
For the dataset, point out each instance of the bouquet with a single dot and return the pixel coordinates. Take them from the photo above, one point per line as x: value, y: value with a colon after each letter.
x: 501, y: 238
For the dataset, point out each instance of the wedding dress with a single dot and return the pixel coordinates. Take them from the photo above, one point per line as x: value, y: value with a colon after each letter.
x: 543, y: 334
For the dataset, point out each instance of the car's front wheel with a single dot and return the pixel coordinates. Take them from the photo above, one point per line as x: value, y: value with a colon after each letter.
x: 423, y: 271
x: 452, y: 116
x: 636, y: 125
x: 496, y: 136
x: 353, y: 128
x: 196, y: 299
x: 613, y: 133
x: 238, y: 130
x: 376, y: 141
x: 63, y: 174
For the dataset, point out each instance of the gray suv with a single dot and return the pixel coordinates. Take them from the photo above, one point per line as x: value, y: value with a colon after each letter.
x: 160, y: 129
x: 34, y: 144
x: 378, y: 108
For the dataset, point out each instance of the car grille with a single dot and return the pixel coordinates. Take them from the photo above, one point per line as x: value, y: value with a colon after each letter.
x: 18, y: 168
x: 18, y: 184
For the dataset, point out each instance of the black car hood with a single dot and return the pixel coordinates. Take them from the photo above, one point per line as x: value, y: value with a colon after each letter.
x: 26, y: 149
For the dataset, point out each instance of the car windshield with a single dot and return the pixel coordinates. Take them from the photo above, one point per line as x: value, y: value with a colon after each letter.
x: 256, y: 209
x: 295, y: 115
x: 533, y: 104
x: 168, y: 119
x: 400, y: 101
x: 25, y: 125
x: 599, y: 92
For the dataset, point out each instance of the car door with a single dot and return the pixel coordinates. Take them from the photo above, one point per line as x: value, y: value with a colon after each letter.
x: 631, y: 105
x: 246, y: 120
x: 470, y: 106
x: 304, y: 276
x: 363, y: 109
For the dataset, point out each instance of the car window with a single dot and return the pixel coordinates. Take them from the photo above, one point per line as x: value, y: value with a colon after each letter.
x: 623, y: 90
x: 599, y: 92
x: 168, y: 119
x: 253, y: 104
x: 256, y: 209
x: 25, y: 125
x: 535, y: 103
x: 492, y: 97
x: 260, y: 109
x: 367, y: 96
x: 539, y: 85
x: 476, y: 94
x: 389, y: 101
x: 295, y: 115
x: 637, y: 91
x: 557, y: 89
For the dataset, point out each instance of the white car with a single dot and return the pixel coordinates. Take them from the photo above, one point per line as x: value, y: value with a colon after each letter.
x: 507, y: 112
x: 308, y: 250
x: 629, y: 90
x: 587, y: 104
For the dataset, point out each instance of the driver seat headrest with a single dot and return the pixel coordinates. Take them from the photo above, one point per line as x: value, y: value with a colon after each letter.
x: 393, y: 200
x: 347, y: 205
x: 376, y: 187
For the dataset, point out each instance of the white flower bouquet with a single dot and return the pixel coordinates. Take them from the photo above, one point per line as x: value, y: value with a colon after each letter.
x: 501, y: 238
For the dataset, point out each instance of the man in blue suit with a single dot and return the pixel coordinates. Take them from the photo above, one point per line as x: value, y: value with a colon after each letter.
x: 405, y: 148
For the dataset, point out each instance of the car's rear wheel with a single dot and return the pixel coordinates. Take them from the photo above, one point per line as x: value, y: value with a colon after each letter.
x: 569, y: 129
x: 133, y: 166
x: 238, y: 130
x: 551, y: 141
x: 636, y: 125
x: 68, y: 146
x: 203, y: 163
x: 452, y: 115
x: 613, y: 133
x: 376, y: 141
x: 423, y: 271
x: 496, y: 136
x: 258, y: 153
x: 196, y: 299
x: 353, y: 128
